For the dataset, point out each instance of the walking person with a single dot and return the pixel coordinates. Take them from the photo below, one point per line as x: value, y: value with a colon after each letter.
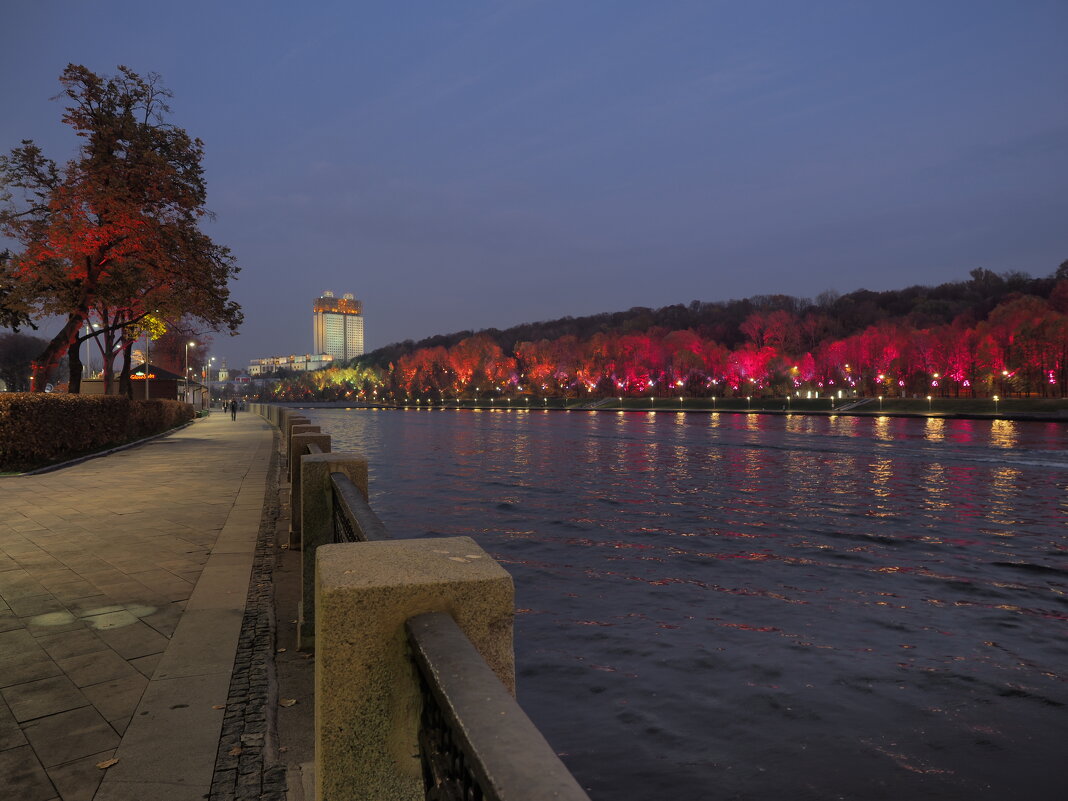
x: 233, y: 409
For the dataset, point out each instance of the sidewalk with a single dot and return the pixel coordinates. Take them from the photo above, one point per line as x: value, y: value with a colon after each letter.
x: 123, y: 587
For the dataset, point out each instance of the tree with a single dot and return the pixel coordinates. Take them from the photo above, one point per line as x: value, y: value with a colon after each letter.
x: 116, y: 228
x: 13, y: 314
x: 16, y: 355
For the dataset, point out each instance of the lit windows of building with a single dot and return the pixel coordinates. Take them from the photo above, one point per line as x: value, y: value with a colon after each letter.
x: 338, y: 326
x: 301, y: 364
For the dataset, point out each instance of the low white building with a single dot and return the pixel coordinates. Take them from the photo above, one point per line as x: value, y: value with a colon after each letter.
x: 301, y: 364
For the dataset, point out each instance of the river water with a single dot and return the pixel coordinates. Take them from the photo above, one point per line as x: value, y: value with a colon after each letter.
x: 723, y: 606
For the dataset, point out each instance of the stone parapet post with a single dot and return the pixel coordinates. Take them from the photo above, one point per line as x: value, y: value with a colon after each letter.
x: 367, y: 698
x: 293, y: 465
x: 317, y: 523
x: 293, y: 459
x: 284, y: 416
x: 292, y: 419
x: 287, y: 419
x: 299, y: 447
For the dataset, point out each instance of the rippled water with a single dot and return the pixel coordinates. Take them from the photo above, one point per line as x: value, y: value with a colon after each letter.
x: 724, y: 606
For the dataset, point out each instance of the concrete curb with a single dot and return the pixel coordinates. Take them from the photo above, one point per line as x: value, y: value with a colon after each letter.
x: 246, y: 764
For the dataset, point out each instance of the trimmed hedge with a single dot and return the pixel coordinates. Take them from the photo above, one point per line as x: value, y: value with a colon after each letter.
x: 38, y: 428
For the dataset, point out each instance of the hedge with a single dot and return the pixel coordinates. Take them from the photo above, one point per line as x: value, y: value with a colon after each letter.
x: 38, y: 428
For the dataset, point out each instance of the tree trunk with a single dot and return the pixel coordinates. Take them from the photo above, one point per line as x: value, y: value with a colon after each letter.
x: 74, y: 358
x: 125, y: 384
x: 44, y: 366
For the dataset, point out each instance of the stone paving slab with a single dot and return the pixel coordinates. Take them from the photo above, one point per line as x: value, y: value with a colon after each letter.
x: 123, y: 581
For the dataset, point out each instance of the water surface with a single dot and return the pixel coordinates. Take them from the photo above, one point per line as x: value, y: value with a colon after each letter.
x: 748, y: 607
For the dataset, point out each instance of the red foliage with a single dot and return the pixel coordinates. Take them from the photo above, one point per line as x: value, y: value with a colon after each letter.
x: 1022, y: 346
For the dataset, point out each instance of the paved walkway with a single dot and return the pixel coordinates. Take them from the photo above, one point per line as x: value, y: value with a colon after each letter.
x: 123, y: 581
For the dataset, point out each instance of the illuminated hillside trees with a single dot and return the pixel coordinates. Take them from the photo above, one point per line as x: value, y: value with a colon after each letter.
x: 1021, y: 347
x: 117, y: 226
x: 992, y: 334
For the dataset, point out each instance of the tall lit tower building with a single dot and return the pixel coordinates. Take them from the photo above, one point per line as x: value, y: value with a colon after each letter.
x: 338, y: 324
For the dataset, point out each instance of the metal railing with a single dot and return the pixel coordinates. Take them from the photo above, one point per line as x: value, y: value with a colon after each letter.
x: 475, y: 741
x: 354, y: 520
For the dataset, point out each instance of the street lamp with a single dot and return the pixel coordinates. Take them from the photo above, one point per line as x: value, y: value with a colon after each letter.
x: 996, y: 399
x: 187, y: 346
x: 928, y: 403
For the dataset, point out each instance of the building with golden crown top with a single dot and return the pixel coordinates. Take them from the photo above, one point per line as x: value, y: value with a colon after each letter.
x: 338, y: 326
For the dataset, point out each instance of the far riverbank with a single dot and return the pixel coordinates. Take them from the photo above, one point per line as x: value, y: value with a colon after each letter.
x: 1017, y: 409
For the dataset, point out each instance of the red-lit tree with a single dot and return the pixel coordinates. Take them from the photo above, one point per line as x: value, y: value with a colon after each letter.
x: 117, y: 225
x: 536, y: 364
x: 477, y: 362
x: 685, y: 362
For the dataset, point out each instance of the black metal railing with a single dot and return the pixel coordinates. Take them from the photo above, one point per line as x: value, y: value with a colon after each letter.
x: 354, y: 520
x: 475, y: 742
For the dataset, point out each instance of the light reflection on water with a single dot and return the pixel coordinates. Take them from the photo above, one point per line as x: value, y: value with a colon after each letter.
x: 744, y: 606
x: 1003, y: 433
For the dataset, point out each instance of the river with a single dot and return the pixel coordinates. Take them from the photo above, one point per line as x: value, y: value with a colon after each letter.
x: 730, y: 606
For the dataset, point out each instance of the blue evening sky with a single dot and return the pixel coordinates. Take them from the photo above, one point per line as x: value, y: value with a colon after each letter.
x: 471, y: 164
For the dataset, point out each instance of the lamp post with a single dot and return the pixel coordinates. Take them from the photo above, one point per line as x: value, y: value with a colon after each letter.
x: 996, y: 399
x: 187, y: 345
x: 90, y: 334
x: 86, y: 368
x: 147, y: 372
x: 928, y: 403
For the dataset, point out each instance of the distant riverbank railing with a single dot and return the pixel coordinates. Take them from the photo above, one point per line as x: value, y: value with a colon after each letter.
x: 413, y: 639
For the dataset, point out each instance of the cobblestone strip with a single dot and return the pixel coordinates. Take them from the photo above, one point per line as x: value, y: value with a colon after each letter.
x: 247, y: 765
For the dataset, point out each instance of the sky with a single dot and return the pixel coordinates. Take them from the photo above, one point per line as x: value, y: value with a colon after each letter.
x: 463, y: 165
